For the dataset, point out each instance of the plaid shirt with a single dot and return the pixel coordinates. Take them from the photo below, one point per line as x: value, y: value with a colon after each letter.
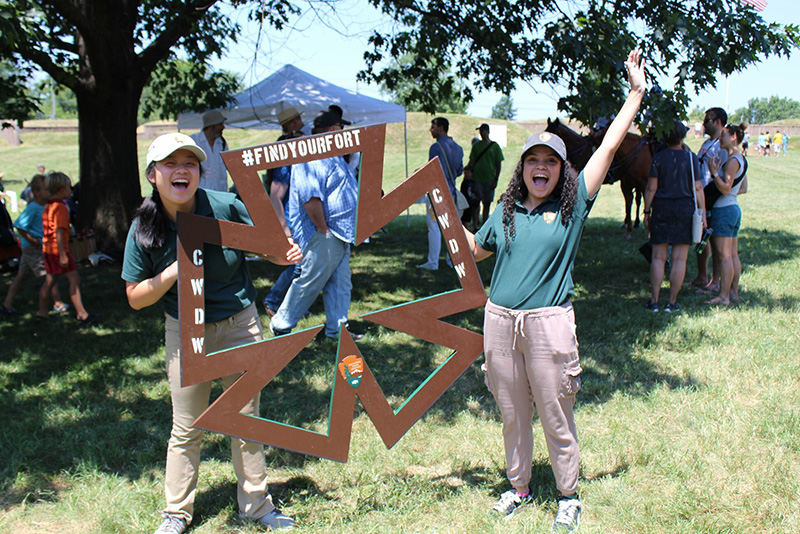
x: 333, y: 182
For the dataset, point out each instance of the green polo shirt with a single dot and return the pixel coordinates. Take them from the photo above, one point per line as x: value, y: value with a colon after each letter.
x: 486, y: 168
x: 227, y: 286
x: 534, y: 269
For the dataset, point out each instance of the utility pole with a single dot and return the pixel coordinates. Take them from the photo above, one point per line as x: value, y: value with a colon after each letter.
x: 53, y: 98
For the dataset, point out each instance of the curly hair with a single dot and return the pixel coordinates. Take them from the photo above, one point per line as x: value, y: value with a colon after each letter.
x: 567, y: 189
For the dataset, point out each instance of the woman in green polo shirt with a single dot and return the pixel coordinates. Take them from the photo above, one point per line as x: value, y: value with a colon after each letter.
x: 529, y: 325
x: 150, y: 270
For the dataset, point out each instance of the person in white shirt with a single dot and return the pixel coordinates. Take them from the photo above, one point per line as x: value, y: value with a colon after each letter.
x: 215, y: 174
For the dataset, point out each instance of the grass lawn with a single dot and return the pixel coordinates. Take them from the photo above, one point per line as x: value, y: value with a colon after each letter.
x: 688, y: 423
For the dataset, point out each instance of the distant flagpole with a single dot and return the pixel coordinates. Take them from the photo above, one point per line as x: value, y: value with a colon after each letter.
x: 758, y: 5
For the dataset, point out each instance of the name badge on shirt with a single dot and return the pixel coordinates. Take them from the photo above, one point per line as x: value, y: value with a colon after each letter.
x: 549, y: 217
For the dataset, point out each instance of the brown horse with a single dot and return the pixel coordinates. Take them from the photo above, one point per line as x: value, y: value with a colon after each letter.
x: 631, y: 165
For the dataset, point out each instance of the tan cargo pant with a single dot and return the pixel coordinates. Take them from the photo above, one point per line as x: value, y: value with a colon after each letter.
x: 532, y: 358
x: 183, y: 450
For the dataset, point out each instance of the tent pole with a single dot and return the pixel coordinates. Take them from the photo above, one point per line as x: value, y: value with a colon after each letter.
x: 405, y: 142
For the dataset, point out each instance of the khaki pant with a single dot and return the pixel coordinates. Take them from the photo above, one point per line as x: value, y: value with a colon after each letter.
x: 532, y: 358
x: 183, y: 451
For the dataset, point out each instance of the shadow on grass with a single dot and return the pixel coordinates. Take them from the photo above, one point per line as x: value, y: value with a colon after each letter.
x: 98, y: 396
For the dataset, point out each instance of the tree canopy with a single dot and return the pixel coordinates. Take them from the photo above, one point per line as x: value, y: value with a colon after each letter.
x: 766, y: 110
x: 107, y: 51
x: 581, y: 45
x: 403, y: 86
x: 504, y: 109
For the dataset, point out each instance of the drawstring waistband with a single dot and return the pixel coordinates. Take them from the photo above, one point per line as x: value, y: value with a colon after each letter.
x: 519, y: 316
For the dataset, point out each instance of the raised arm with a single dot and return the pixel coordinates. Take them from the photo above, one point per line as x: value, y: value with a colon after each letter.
x: 597, y: 167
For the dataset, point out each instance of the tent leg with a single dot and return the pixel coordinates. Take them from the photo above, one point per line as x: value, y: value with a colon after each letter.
x: 405, y: 141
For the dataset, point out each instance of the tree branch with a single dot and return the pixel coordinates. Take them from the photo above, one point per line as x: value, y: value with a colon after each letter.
x: 173, y: 31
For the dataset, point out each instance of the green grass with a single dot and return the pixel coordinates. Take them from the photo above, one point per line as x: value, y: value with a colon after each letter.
x: 688, y: 423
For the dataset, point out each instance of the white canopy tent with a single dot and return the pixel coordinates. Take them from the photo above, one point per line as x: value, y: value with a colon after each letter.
x: 258, y: 106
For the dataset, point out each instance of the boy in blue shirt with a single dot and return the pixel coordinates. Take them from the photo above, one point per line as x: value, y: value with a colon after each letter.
x: 29, y: 227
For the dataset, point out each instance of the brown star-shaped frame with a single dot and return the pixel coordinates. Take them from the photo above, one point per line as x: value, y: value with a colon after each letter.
x: 260, y: 362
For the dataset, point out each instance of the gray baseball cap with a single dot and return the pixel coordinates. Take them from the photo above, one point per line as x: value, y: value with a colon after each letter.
x: 547, y: 139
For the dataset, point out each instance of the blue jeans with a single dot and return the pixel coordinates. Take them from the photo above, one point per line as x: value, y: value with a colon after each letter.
x: 325, y: 267
x: 276, y: 295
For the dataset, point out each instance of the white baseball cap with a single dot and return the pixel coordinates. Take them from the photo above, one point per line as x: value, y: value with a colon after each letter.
x: 164, y: 145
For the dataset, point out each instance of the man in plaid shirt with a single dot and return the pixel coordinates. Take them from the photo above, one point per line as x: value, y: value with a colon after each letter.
x: 322, y: 216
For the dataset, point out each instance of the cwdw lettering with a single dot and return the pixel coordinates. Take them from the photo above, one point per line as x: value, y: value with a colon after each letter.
x: 448, y: 231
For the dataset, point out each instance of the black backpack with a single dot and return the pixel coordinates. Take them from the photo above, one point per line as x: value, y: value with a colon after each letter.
x: 712, y: 193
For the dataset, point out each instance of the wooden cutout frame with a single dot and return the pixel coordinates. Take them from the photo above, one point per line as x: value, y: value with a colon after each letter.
x: 260, y: 362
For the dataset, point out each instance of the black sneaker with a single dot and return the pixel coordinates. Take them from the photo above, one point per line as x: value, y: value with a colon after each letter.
x: 651, y: 306
x: 568, y: 516
x: 672, y: 308
x: 510, y: 503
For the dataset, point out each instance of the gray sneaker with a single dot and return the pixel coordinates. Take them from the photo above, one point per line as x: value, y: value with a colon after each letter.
x: 172, y: 524
x: 568, y: 516
x: 275, y: 520
x: 510, y: 503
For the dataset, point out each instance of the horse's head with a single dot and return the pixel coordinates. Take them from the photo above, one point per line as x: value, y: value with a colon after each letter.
x: 578, y: 149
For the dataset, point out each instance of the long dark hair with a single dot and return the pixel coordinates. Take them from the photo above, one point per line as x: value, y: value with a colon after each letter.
x: 152, y: 224
x: 566, y: 188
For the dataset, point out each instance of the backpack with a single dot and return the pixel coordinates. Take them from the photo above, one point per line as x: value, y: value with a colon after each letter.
x: 712, y: 193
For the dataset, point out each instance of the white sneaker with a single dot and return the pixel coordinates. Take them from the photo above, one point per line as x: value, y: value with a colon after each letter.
x: 275, y: 520
x: 568, y: 516
x: 510, y: 503
x: 428, y: 267
x: 172, y: 524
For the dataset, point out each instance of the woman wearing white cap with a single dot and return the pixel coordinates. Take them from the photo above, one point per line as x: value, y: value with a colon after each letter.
x: 529, y: 325
x: 150, y: 270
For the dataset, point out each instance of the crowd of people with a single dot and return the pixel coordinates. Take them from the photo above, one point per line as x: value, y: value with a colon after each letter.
x: 769, y: 144
x: 683, y: 184
x: 530, y: 345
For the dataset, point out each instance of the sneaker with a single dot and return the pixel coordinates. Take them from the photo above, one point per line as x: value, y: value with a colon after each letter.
x: 672, y: 308
x: 651, y: 306
x: 275, y: 520
x: 278, y: 331
x: 428, y: 267
x: 92, y: 318
x: 568, y: 516
x: 63, y: 308
x: 172, y: 524
x: 510, y: 503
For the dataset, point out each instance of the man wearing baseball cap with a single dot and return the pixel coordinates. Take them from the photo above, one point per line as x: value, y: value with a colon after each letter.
x: 210, y: 140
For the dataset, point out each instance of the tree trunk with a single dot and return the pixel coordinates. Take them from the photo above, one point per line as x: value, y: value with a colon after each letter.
x: 109, y: 167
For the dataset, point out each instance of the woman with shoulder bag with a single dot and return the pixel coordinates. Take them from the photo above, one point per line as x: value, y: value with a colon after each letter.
x: 674, y: 191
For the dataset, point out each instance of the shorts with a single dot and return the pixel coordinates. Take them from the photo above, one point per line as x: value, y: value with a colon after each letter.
x: 51, y: 265
x: 32, y: 261
x: 483, y: 191
x: 672, y: 221
x: 727, y: 221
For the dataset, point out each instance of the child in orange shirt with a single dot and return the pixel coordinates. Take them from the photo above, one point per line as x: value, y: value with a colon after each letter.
x: 55, y: 247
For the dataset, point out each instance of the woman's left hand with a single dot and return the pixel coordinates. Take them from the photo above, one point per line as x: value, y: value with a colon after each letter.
x: 294, y: 254
x: 636, y: 75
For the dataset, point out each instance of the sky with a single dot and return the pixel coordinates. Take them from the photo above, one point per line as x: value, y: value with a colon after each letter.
x: 334, y: 52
